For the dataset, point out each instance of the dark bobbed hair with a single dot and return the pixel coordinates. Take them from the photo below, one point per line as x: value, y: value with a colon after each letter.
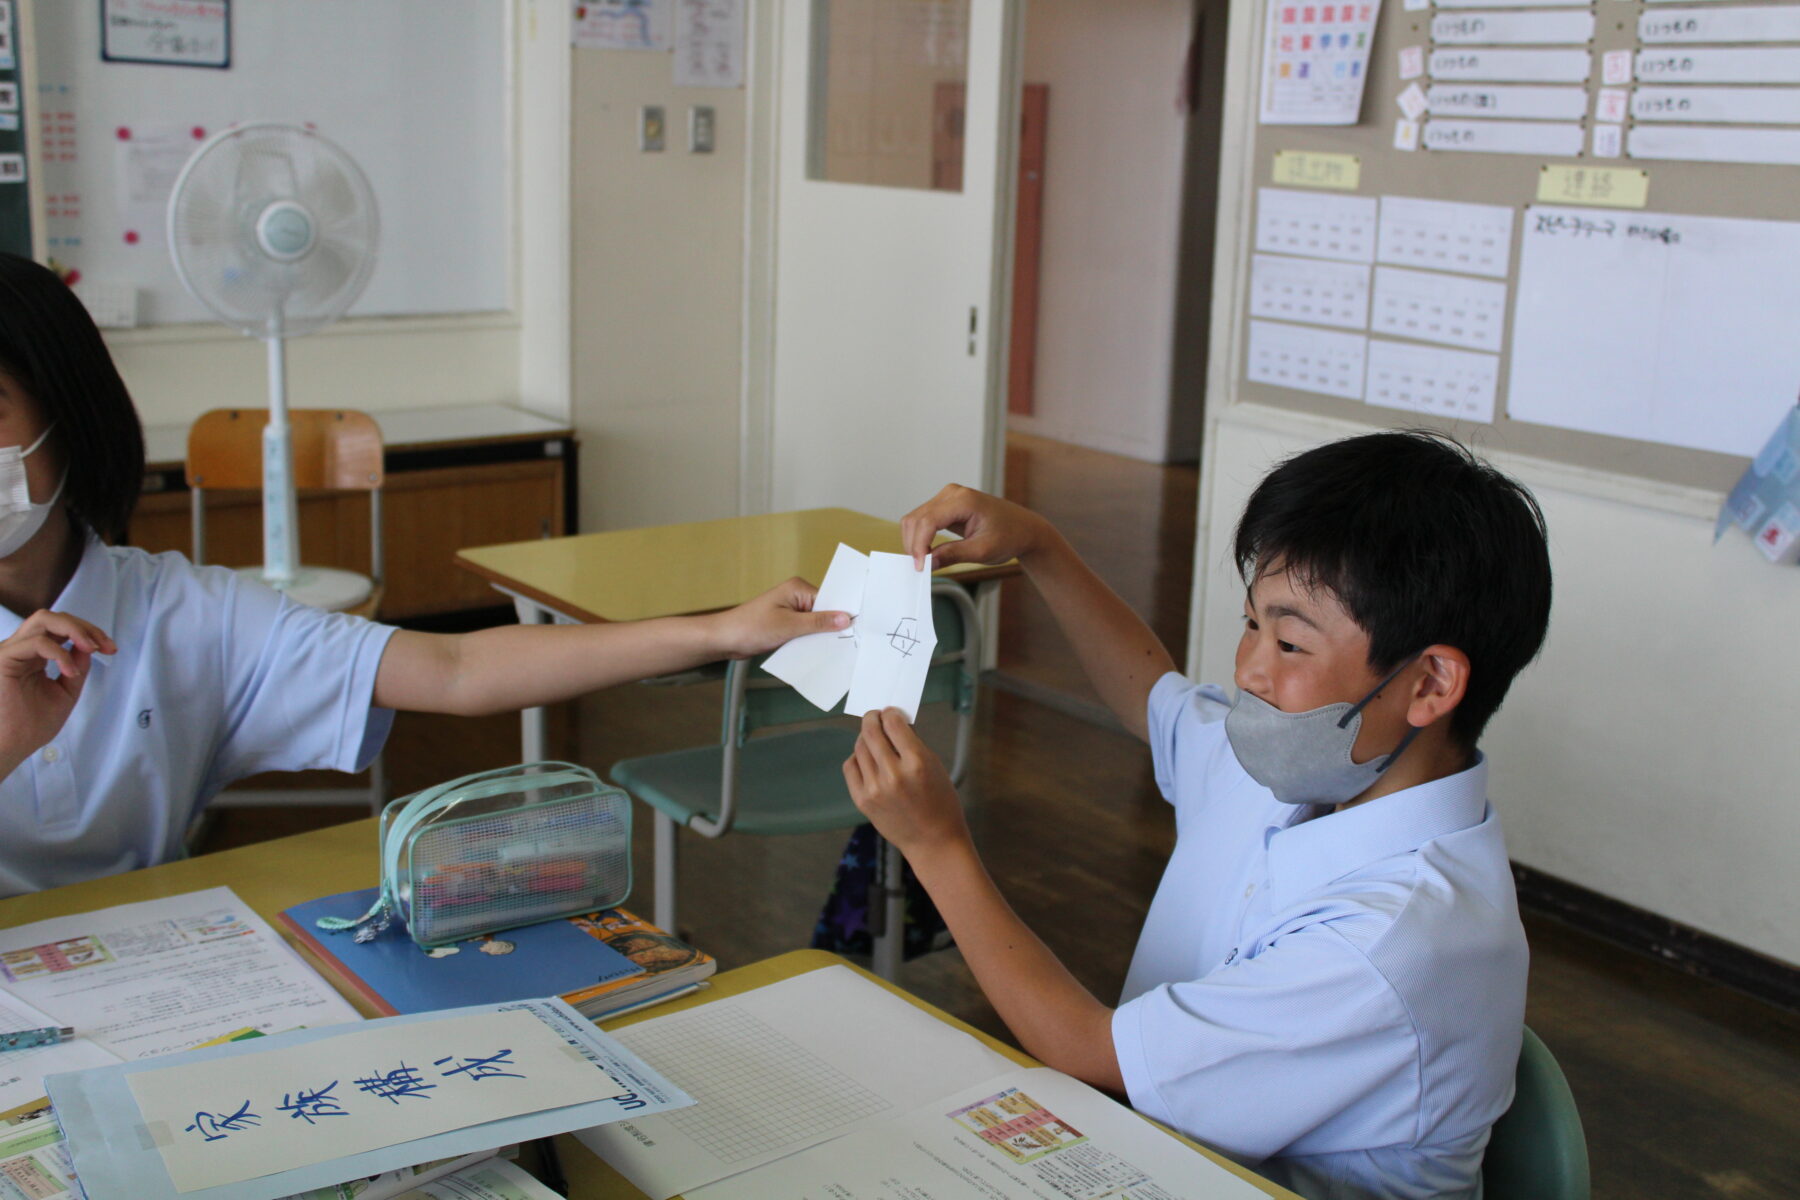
x: 50, y: 345
x: 1422, y: 543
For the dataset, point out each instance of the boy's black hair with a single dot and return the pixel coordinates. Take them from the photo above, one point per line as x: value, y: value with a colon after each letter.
x: 50, y: 346
x: 1422, y: 543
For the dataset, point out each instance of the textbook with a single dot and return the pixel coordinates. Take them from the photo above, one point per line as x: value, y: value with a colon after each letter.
x: 598, y: 963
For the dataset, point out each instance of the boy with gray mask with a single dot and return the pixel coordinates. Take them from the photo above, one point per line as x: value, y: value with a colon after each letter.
x: 1330, y: 984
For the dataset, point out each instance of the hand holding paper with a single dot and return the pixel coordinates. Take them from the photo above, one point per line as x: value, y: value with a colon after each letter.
x: 881, y: 660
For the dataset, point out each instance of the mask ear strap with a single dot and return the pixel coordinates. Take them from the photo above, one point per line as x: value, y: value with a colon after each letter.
x: 1376, y: 691
x: 1412, y: 731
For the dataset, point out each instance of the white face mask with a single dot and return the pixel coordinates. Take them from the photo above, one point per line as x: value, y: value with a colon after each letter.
x: 20, y: 519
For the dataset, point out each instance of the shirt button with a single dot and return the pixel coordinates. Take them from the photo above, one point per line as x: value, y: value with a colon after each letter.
x: 1248, y: 890
x: 52, y: 754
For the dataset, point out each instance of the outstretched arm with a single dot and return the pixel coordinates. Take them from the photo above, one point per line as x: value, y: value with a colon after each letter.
x: 1119, y: 653
x: 902, y: 787
x: 521, y: 666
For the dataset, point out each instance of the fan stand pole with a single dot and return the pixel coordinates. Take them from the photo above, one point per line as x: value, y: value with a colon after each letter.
x: 281, y: 559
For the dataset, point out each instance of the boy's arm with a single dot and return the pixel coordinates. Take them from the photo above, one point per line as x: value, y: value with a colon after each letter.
x: 901, y: 786
x: 521, y: 666
x: 1119, y: 653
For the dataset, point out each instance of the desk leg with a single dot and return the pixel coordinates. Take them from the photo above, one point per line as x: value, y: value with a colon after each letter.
x: 531, y: 720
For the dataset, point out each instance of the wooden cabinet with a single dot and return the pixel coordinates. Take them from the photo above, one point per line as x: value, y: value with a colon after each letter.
x: 439, y: 498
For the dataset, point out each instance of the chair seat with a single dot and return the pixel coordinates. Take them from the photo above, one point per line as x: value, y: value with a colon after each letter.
x: 787, y: 782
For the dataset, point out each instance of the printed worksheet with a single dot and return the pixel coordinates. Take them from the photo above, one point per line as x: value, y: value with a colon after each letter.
x: 164, y: 975
x: 1315, y: 61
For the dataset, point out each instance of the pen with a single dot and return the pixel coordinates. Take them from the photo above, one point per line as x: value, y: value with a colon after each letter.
x: 25, y: 1039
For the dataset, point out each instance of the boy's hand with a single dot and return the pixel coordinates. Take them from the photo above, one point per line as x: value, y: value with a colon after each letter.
x: 992, y: 530
x: 33, y: 706
x: 902, y: 786
x: 778, y: 615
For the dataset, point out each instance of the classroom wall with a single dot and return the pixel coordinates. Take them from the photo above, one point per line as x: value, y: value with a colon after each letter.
x: 1112, y: 220
x: 1649, y: 754
x: 657, y: 297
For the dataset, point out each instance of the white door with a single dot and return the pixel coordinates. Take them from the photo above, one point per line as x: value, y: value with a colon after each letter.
x: 885, y: 380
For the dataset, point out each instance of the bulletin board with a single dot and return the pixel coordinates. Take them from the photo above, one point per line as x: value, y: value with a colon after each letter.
x: 1654, y: 335
x: 417, y: 91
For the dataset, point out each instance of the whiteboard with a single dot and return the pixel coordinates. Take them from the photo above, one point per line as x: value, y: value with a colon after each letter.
x: 417, y: 91
x: 1656, y: 326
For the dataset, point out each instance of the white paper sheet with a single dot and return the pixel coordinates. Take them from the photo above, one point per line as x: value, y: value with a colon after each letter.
x: 1734, y: 105
x: 1712, y: 64
x: 1608, y: 141
x: 1029, y: 1132
x: 1513, y: 3
x: 1309, y: 289
x: 819, y: 665
x: 148, y: 156
x: 1507, y: 100
x: 22, y: 1071
x: 1505, y: 137
x: 1512, y: 28
x: 1656, y: 326
x: 1481, y: 65
x: 779, y: 1069
x: 620, y: 25
x: 1315, y: 60
x: 709, y: 43
x: 1317, y: 224
x: 1445, y: 235
x: 1449, y: 383
x: 1309, y: 360
x: 163, y: 975
x: 225, y: 1120
x: 895, y: 639
x: 1705, y: 143
x: 1439, y: 308
x: 1774, y: 23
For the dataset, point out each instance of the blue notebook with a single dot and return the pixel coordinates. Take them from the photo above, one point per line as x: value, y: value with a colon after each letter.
x: 392, y: 972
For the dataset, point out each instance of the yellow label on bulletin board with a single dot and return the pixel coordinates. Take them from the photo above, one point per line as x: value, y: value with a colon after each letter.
x: 1306, y: 168
x: 1616, y: 187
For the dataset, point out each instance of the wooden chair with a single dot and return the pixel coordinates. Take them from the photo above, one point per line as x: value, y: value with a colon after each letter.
x: 334, y: 450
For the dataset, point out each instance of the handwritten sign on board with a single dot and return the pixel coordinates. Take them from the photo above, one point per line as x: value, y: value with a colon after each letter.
x: 1309, y: 168
x: 1615, y: 187
x: 196, y: 33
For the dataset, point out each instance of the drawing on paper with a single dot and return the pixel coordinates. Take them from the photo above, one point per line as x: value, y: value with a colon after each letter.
x: 905, y: 636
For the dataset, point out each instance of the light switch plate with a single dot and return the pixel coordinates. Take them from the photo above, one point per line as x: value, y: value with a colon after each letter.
x: 701, y: 129
x: 652, y: 129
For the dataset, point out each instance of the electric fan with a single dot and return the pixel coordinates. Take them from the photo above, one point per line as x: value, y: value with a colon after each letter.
x: 273, y: 228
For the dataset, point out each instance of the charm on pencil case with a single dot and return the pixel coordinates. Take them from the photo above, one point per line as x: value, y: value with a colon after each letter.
x: 497, y: 850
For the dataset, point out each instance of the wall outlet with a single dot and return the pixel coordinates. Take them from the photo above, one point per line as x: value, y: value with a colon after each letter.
x: 652, y: 132
x: 701, y: 123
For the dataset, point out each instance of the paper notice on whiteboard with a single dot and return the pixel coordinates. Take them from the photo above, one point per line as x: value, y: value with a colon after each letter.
x: 1307, y: 360
x: 1316, y: 224
x: 1480, y: 64
x: 1448, y: 383
x: 709, y: 43
x: 147, y: 160
x: 1315, y: 61
x: 620, y: 25
x: 1656, y: 326
x: 1439, y: 308
x: 1309, y: 289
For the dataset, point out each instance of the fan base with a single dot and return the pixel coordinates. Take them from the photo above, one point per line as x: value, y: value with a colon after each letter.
x: 322, y: 587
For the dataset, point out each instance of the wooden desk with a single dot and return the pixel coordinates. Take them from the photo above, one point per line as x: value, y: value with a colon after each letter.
x: 271, y: 876
x: 678, y: 570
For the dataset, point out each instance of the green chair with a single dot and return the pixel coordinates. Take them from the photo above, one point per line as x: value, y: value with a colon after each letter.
x: 791, y: 781
x: 1537, y: 1150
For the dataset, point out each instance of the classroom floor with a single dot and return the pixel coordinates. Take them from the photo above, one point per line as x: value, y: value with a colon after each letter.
x: 1686, y: 1088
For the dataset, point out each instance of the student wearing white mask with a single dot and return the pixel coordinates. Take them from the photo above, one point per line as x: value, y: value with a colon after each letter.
x: 133, y: 687
x: 1330, y: 982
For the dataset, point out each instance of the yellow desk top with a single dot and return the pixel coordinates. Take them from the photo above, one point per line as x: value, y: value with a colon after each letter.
x: 271, y: 876
x: 676, y: 570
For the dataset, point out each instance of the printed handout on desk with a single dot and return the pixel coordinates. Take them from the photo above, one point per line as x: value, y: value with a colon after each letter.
x: 882, y: 659
x: 782, y: 1068
x: 163, y: 975
x: 1766, y: 501
x: 1315, y: 61
x: 224, y: 1120
x: 395, y: 1065
x: 1031, y: 1132
x: 22, y: 1071
x: 34, y: 1162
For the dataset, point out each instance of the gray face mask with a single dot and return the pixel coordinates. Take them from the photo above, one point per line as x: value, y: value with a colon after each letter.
x: 1304, y: 757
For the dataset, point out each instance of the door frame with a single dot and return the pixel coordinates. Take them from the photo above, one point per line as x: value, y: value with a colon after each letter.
x: 756, y: 434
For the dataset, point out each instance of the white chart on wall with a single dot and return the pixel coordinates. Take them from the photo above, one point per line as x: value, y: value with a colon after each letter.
x: 1656, y: 326
x: 415, y: 90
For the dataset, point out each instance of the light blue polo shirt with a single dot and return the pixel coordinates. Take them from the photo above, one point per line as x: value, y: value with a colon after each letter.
x: 1335, y: 1001
x: 217, y: 677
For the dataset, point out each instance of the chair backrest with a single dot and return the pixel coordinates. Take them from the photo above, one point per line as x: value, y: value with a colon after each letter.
x: 1537, y: 1150
x: 334, y: 449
